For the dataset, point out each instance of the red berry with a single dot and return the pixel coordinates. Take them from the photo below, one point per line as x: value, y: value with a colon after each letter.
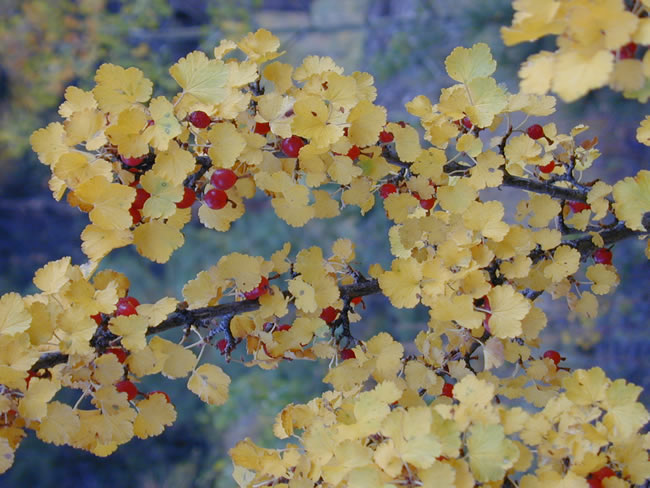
x: 548, y: 167
x: 486, y: 320
x: 223, y: 179
x: 535, y: 131
x: 132, y: 161
x: 329, y: 314
x: 386, y: 189
x: 466, y: 122
x: 221, y: 345
x: 628, y: 51
x: 448, y: 390
x: 358, y: 300
x: 348, y: 354
x: 386, y: 137
x: 553, y: 356
x: 97, y: 318
x: 199, y: 119
x: 127, y: 306
x: 354, y: 152
x: 262, y: 128
x: 402, y: 124
x: 141, y: 196
x: 596, y: 478
x: 158, y: 392
x: 428, y: 203
x: 284, y: 327
x: 215, y: 199
x: 261, y: 289
x: 603, y: 256
x: 189, y: 197
x: 577, y: 207
x: 136, y: 216
x: 30, y: 375
x: 127, y: 387
x: 120, y: 353
x: 291, y: 146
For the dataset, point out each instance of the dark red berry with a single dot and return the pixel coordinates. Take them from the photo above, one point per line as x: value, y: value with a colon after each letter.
x: 141, y: 196
x: 262, y: 128
x: 386, y: 189
x: 189, y: 197
x: 628, y: 51
x: 486, y: 306
x: 215, y: 199
x: 596, y: 478
x: 535, y: 131
x: 259, y: 290
x: 547, y: 168
x: 386, y: 137
x: 329, y: 314
x: 348, y: 354
x: 127, y: 387
x: 158, y: 392
x: 553, y: 356
x: 222, y: 345
x: 291, y: 146
x: 199, y: 119
x: 127, y: 306
x: 120, y: 353
x: 132, y: 161
x: 284, y: 327
x: 136, y: 216
x: 466, y: 122
x: 354, y: 152
x: 428, y: 203
x: 448, y: 390
x: 97, y: 318
x: 223, y: 179
x: 603, y: 256
x: 402, y: 124
x: 577, y: 207
x: 358, y: 300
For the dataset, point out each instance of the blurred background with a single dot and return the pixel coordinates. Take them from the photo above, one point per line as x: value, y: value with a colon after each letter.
x: 47, y: 46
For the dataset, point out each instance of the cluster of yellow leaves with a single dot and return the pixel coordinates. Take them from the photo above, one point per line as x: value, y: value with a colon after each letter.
x: 399, y: 429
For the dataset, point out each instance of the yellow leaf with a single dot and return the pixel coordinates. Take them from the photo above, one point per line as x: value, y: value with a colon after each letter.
x: 118, y: 88
x: 508, y: 309
x: 632, y: 199
x: 97, y: 242
x: 576, y: 73
x: 227, y: 144
x: 14, y: 318
x: 203, y: 78
x: 6, y: 455
x: 566, y: 261
x: 33, y: 405
x: 176, y: 361
x: 210, y: 383
x: 108, y: 369
x: 464, y: 64
x: 402, y: 283
x: 165, y: 126
x: 366, y: 120
x: 155, y: 412
x: 157, y: 240
x: 59, y: 425
x: 490, y: 453
x: 260, y: 46
x: 110, y: 201
x: 132, y: 328
x: 304, y: 295
x: 76, y: 100
x: 49, y: 143
x: 164, y: 195
x: 174, y: 164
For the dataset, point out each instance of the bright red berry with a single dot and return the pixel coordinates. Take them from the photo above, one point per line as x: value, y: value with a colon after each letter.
x: 628, y: 51
x: 284, y: 327
x: 603, y: 256
x: 428, y: 203
x: 553, y: 356
x: 136, y: 216
x: 141, y: 196
x: 97, y: 318
x: 386, y: 189
x: 259, y: 290
x: 189, y: 197
x: 199, y: 119
x: 448, y: 390
x: 132, y: 161
x: 535, y: 131
x: 291, y: 146
x: 386, y: 137
x: 127, y: 387
x: 547, y: 168
x: 120, y: 353
x: 215, y: 199
x: 596, y: 478
x: 358, y: 300
x: 578, y: 207
x: 262, y: 128
x: 222, y: 345
x: 127, y: 306
x: 223, y: 179
x: 354, y: 152
x: 158, y: 392
x: 329, y: 314
x: 466, y: 122
x: 348, y: 354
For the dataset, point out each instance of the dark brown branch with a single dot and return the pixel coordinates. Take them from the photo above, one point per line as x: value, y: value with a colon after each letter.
x: 543, y: 187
